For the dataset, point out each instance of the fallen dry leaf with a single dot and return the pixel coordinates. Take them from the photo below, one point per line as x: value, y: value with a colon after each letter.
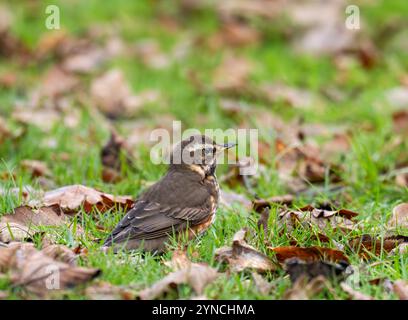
x: 84, y: 62
x: 232, y: 74
x: 309, y: 217
x: 262, y: 285
x: 234, y: 33
x: 297, y: 268
x: 179, y: 260
x: 229, y: 199
x: 111, y: 156
x: 45, y: 119
x: 57, y: 82
x: 400, y: 288
x: 38, y: 273
x: 36, y: 168
x: 400, y: 121
x: 242, y: 256
x: 294, y: 97
x: 106, y: 291
x: 260, y: 204
x: 263, y: 221
x: 22, y: 224
x: 367, y: 245
x: 398, y: 98
x: 399, y: 217
x: 402, y: 180
x: 71, y: 198
x: 308, y: 254
x: 355, y: 295
x: 114, y: 97
x: 197, y: 275
x: 303, y: 289
x: 60, y: 253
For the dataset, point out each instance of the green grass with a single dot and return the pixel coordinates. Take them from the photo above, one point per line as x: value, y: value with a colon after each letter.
x: 372, y: 197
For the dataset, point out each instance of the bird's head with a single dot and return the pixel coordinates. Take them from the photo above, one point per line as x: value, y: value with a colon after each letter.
x: 198, y: 153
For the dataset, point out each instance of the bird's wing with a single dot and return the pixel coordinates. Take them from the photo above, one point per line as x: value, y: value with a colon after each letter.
x: 166, y: 207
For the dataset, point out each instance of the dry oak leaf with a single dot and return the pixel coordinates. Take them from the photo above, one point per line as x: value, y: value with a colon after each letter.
x: 242, y: 256
x: 232, y: 74
x: 399, y: 217
x: 260, y: 204
x: 37, y: 168
x: 400, y: 120
x: 36, y: 272
x: 179, y: 260
x: 61, y: 253
x: 400, y: 288
x: 106, y: 291
x: 114, y: 96
x: 355, y: 295
x: 303, y: 289
x: 308, y: 254
x: 230, y: 198
x: 197, y: 275
x: 22, y: 224
x: 309, y: 216
x: 367, y: 245
x: 44, y: 119
x: 263, y: 286
x: 297, y: 268
x: 71, y: 198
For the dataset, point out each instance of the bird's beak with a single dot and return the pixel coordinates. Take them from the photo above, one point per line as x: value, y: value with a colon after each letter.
x: 229, y: 145
x: 222, y: 147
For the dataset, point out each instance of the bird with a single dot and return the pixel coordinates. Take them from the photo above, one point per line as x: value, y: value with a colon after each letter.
x: 183, y: 202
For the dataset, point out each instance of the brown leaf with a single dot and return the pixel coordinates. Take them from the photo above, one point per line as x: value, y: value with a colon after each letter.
x: 57, y: 82
x: 400, y: 121
x: 242, y: 256
x: 367, y: 245
x: 260, y: 204
x: 111, y: 158
x: 263, y: 286
x: 355, y: 295
x: 151, y: 55
x: 402, y: 180
x: 308, y: 254
x: 36, y: 168
x: 232, y: 74
x: 38, y: 273
x: 179, y: 260
x: 114, y: 97
x: 399, y: 217
x: 71, y: 198
x: 106, y: 291
x: 60, y: 253
x: 297, y: 268
x: 45, y: 119
x: 263, y: 221
x: 197, y: 275
x: 86, y: 61
x: 23, y: 222
x: 309, y: 217
x: 401, y: 289
x: 229, y: 199
x: 235, y: 34
x: 294, y: 97
x: 303, y: 289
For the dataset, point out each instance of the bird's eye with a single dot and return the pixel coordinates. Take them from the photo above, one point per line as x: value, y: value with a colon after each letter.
x: 209, y: 150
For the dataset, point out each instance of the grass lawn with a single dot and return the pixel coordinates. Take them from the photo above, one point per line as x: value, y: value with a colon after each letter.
x: 367, y: 187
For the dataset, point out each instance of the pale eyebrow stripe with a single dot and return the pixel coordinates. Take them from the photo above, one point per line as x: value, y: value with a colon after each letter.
x: 200, y: 146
